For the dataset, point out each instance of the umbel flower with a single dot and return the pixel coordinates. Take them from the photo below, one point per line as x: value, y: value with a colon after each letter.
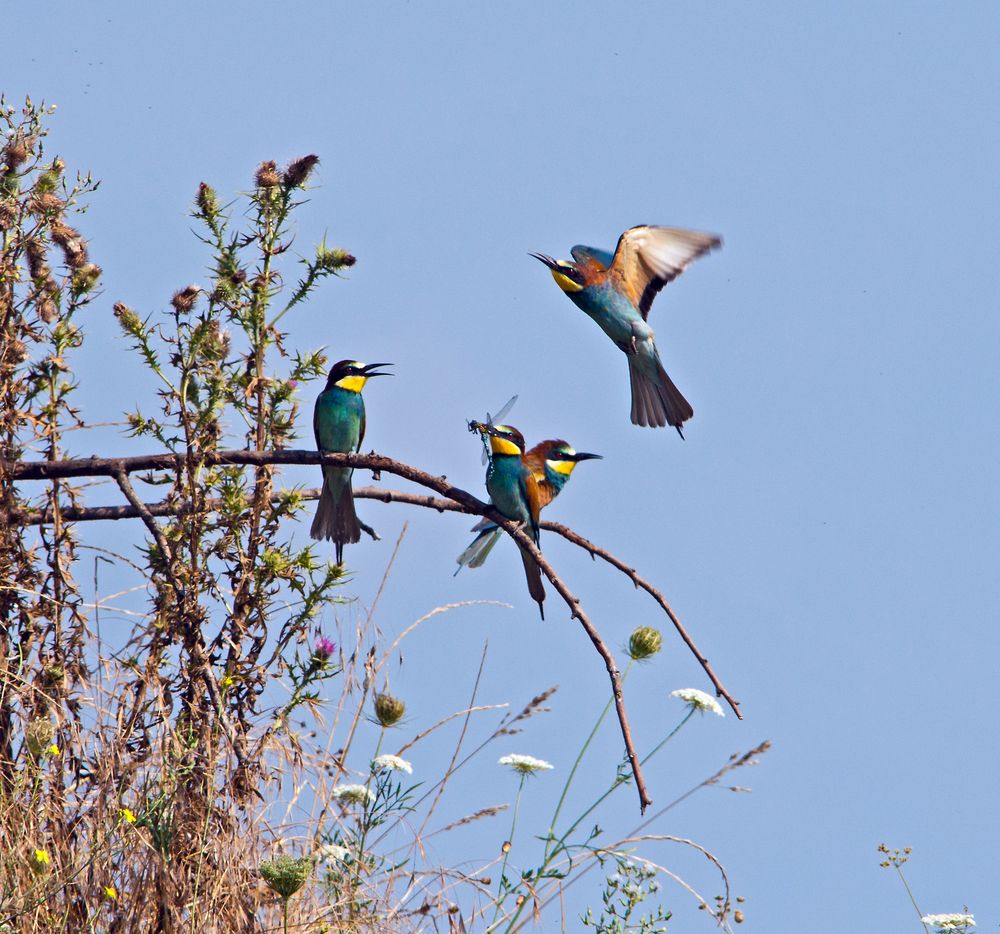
x: 286, y: 874
x: 332, y: 852
x: 952, y: 922
x: 699, y: 700
x: 353, y: 794
x: 525, y: 765
x: 388, y: 763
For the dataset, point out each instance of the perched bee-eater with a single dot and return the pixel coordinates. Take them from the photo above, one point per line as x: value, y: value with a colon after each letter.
x: 515, y: 493
x: 339, y: 424
x: 617, y: 291
x: 551, y: 462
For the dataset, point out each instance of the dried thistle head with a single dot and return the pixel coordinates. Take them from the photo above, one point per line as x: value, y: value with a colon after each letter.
x: 184, y: 299
x: 15, y: 153
x: 298, y: 171
x: 72, y: 244
x: 34, y: 249
x: 8, y: 214
x: 389, y: 710
x: 267, y: 174
x: 48, y: 310
x: 45, y: 203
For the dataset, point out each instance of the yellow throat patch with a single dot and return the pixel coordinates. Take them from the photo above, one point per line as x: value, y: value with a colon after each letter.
x: 565, y: 467
x: 564, y: 282
x: 503, y: 446
x: 352, y: 383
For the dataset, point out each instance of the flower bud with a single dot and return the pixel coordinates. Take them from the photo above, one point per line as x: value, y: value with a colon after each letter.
x: 644, y: 643
x: 389, y: 710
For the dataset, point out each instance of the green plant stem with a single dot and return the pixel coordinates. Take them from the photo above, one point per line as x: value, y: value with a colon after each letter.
x: 365, y: 822
x: 579, y: 759
x: 284, y: 915
x: 909, y: 892
x: 501, y: 895
x: 560, y: 844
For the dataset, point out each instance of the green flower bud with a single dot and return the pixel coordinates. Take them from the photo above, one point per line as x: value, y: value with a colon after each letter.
x: 644, y: 643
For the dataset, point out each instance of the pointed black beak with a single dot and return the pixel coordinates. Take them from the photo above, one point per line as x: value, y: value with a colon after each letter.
x: 370, y: 369
x: 548, y: 260
x: 584, y: 456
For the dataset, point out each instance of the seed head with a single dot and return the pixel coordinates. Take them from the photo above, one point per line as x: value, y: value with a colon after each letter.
x: 183, y: 300
x: 267, y: 174
x: 389, y: 710
x: 298, y: 172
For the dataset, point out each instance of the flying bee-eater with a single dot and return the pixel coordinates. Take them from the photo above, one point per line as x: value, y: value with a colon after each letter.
x: 551, y: 462
x: 515, y: 493
x: 617, y: 291
x: 339, y: 425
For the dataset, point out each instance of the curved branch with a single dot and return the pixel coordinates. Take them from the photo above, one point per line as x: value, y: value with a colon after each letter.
x: 117, y: 467
x: 88, y: 513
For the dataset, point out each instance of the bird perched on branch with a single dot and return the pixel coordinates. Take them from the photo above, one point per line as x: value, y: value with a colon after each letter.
x: 514, y: 492
x: 339, y: 425
x: 551, y: 463
x: 617, y: 291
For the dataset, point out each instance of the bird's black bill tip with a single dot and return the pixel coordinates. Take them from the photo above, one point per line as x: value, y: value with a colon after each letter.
x: 547, y: 260
x: 583, y: 456
x: 371, y: 370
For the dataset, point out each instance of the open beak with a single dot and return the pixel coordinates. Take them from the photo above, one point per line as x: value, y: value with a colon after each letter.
x: 584, y: 456
x: 548, y: 260
x: 370, y: 370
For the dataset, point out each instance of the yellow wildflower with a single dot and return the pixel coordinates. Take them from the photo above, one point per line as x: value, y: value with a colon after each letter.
x: 53, y: 750
x: 227, y: 681
x: 111, y: 892
x: 127, y: 815
x: 40, y: 860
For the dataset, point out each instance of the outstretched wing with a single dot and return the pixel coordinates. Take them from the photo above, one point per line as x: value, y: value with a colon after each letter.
x: 647, y: 258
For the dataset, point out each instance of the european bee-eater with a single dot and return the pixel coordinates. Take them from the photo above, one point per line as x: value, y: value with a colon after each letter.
x: 515, y: 493
x: 617, y: 291
x: 339, y: 424
x: 551, y: 462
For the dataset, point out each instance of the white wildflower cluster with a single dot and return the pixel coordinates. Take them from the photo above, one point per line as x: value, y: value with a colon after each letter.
x: 353, y: 794
x: 953, y: 922
x: 699, y: 700
x: 332, y: 852
x: 525, y: 765
x: 388, y: 763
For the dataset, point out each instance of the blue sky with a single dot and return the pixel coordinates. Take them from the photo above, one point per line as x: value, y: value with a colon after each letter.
x: 829, y: 529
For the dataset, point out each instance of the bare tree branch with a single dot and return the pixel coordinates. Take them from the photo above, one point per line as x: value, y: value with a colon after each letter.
x: 119, y: 467
x: 87, y: 513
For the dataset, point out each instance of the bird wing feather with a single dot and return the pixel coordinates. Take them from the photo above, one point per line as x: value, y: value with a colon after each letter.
x: 647, y: 258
